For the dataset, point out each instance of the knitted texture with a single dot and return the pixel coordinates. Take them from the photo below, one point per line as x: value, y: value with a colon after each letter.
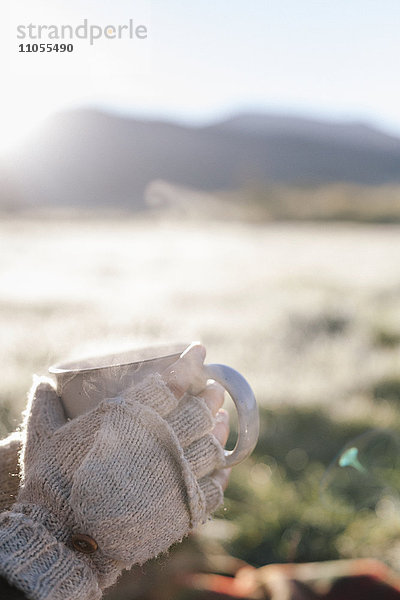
x: 9, y: 470
x: 135, y: 474
x: 35, y: 562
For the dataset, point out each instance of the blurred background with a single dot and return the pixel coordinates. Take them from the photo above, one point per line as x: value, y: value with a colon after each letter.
x: 234, y: 178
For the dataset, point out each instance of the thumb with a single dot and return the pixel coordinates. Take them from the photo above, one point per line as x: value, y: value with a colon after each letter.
x: 187, y: 373
x: 43, y: 415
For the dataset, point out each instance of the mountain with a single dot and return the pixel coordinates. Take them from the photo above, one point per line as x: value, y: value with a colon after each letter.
x: 357, y: 133
x: 91, y: 158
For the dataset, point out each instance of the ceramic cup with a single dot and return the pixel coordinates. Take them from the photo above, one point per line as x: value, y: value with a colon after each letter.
x: 82, y: 384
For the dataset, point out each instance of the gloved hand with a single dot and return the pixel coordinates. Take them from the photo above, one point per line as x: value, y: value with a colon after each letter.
x: 111, y: 488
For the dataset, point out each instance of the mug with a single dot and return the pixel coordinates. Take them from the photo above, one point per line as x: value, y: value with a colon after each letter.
x: 82, y: 384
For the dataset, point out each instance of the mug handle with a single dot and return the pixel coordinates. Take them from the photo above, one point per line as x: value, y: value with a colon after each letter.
x: 248, y: 420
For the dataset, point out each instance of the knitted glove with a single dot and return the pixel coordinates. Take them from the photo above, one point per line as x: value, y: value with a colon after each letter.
x: 107, y: 490
x: 9, y: 470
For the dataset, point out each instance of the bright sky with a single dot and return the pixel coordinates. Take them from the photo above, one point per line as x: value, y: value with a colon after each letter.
x: 203, y: 59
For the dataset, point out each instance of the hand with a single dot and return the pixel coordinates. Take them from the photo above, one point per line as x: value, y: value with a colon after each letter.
x: 121, y: 483
x: 213, y: 396
x: 188, y: 373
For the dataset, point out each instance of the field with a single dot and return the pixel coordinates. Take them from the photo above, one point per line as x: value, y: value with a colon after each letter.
x: 309, y: 313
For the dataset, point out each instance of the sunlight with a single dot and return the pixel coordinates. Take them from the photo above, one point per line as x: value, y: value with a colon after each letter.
x: 32, y: 88
x: 16, y: 125
x: 37, y: 84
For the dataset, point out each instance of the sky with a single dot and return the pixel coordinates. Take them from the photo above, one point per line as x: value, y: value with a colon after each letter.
x: 205, y: 60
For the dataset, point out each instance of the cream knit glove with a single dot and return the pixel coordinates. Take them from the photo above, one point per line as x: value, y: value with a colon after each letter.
x: 107, y: 490
x: 9, y: 470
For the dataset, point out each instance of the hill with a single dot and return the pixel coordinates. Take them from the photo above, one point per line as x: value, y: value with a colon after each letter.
x: 91, y: 158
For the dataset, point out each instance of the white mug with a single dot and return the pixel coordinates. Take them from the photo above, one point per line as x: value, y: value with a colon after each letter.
x: 82, y: 384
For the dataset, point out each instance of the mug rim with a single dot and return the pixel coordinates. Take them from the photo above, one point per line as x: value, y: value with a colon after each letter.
x: 72, y: 366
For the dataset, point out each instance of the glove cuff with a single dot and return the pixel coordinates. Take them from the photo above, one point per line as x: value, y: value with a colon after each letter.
x: 36, y: 562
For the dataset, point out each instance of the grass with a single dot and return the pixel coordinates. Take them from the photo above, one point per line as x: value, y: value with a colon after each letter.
x: 325, y: 202
x: 304, y: 311
x: 257, y: 202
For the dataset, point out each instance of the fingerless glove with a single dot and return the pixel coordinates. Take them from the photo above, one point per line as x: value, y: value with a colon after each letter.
x: 109, y: 489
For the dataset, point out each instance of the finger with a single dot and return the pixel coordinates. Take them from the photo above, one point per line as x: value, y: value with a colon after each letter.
x: 44, y: 414
x: 212, y: 489
x: 213, y: 396
x: 222, y: 476
x: 221, y: 428
x: 191, y: 419
x: 204, y: 456
x: 187, y: 373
